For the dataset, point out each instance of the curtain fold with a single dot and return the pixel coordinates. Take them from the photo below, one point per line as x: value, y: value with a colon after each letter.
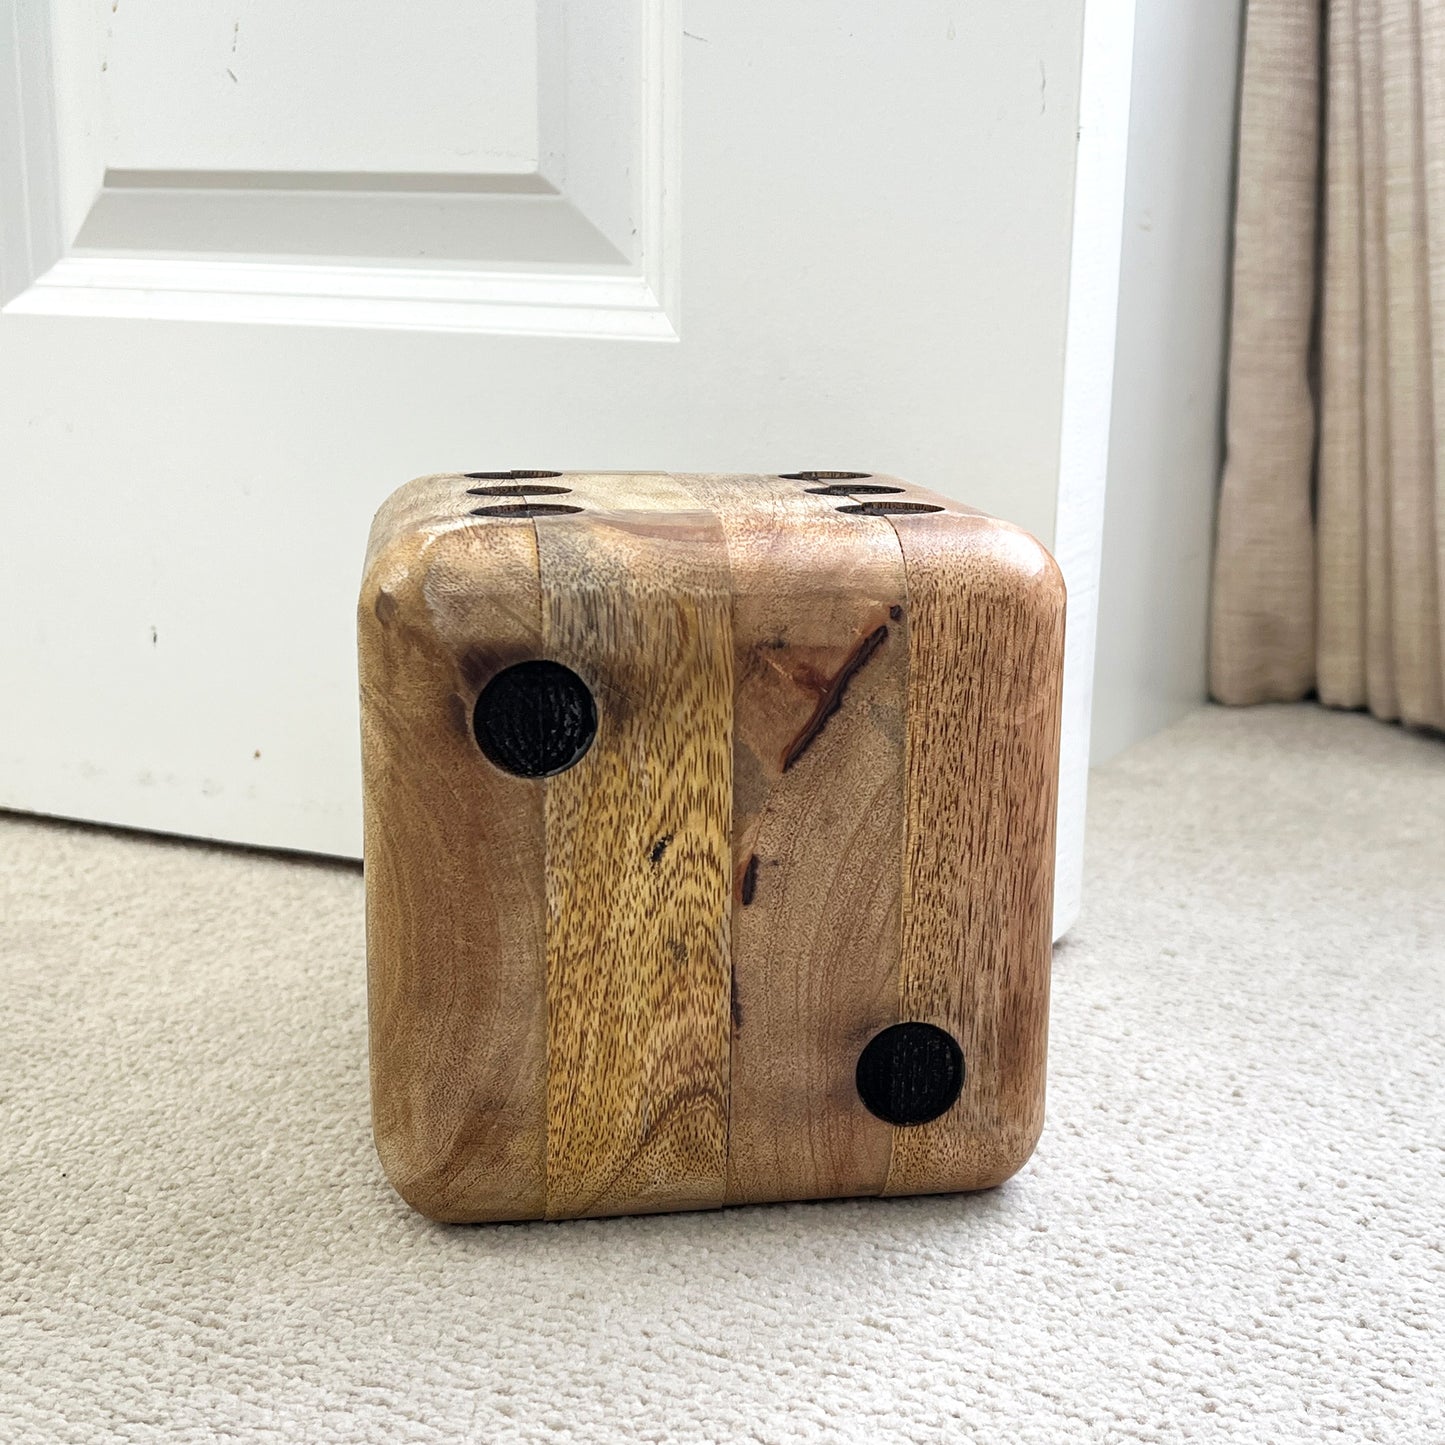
x: 1330, y: 549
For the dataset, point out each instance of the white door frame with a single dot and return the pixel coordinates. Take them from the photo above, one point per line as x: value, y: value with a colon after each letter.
x: 1104, y: 94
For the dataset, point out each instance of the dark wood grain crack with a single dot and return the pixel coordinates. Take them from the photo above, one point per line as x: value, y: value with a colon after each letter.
x: 750, y: 879
x: 830, y: 696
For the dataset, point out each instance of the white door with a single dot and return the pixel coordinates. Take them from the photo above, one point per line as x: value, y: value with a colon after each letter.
x: 262, y: 262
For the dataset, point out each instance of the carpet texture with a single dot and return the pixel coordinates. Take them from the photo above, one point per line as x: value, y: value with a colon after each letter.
x: 1231, y: 1230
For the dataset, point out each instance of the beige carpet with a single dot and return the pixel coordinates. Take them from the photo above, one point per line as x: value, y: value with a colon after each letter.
x: 1231, y: 1231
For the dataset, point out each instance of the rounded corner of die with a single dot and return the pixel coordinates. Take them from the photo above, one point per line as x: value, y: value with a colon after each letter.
x: 419, y: 1188
x: 1018, y: 1148
x: 384, y: 591
x: 1022, y: 569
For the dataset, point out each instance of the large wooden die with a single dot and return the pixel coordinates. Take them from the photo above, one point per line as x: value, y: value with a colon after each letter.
x: 709, y: 840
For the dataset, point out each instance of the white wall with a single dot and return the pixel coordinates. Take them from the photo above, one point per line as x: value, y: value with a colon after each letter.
x: 1165, y: 447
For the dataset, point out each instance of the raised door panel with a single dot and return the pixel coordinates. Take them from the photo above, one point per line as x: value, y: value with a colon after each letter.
x: 479, y: 168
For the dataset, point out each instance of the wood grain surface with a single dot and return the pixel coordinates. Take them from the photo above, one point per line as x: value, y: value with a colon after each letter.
x: 455, y: 864
x: 636, y: 601
x: 986, y: 607
x: 819, y: 802
x: 821, y: 665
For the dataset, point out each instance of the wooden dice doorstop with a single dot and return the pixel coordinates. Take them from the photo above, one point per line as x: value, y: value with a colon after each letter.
x: 709, y: 840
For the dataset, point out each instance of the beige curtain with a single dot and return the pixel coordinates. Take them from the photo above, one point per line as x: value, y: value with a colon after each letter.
x: 1330, y: 555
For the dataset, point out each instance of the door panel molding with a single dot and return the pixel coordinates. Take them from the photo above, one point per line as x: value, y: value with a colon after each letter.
x: 314, y: 294
x: 582, y: 246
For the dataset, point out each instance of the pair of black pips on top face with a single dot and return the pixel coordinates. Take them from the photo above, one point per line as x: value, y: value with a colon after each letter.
x: 538, y: 718
x: 835, y: 486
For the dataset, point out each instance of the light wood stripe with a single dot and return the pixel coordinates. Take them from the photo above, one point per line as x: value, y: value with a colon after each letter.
x: 820, y: 666
x: 986, y: 610
x: 454, y: 866
x: 635, y: 600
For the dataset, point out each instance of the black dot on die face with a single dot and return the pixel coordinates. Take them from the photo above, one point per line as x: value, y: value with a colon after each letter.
x: 910, y: 1073
x: 535, y: 719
